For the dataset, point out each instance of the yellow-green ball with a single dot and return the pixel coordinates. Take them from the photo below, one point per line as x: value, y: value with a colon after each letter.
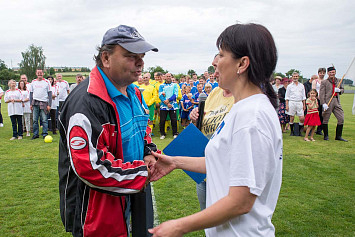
x: 48, y: 139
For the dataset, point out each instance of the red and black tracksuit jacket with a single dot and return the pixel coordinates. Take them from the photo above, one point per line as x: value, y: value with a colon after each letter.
x: 93, y: 176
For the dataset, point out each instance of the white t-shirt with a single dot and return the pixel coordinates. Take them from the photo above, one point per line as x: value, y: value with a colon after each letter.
x: 1, y: 92
x: 295, y: 92
x: 55, y: 100
x: 40, y: 89
x: 63, y: 89
x: 16, y: 107
x: 26, y: 95
x: 246, y: 150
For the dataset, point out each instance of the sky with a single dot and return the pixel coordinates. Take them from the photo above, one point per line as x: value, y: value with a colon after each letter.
x: 308, y: 34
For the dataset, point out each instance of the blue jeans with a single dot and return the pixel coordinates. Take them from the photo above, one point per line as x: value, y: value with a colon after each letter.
x: 16, y: 121
x: 201, y: 194
x: 37, y: 112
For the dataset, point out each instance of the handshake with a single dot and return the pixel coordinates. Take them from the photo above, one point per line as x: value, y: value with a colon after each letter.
x: 158, y: 166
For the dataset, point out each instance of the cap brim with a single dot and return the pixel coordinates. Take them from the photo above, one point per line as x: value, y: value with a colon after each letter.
x: 138, y: 47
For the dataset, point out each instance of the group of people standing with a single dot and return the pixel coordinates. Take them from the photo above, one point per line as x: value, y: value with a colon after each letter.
x: 173, y: 99
x: 313, y: 102
x: 37, y: 101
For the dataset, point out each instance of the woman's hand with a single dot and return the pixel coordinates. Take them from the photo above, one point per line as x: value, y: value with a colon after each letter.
x: 167, y: 229
x: 162, y: 167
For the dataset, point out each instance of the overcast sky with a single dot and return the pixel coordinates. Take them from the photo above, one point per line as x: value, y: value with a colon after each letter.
x: 308, y: 33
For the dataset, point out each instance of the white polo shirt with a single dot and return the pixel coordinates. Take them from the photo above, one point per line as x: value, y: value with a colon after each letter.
x: 295, y: 92
x: 40, y: 89
x: 63, y: 90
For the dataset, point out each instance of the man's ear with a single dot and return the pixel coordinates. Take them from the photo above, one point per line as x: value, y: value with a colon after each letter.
x: 243, y: 64
x: 105, y: 58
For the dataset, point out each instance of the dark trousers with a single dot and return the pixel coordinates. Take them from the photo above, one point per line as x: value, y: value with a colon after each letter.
x: 163, y: 115
x: 16, y: 121
x: 53, y: 124
x: 1, y: 120
x: 140, y: 206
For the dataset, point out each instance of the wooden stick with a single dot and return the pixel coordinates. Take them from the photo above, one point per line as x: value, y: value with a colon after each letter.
x: 334, y: 90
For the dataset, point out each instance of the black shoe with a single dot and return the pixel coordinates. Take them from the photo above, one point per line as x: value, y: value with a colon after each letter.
x: 34, y: 137
x: 292, y: 133
x: 325, y: 130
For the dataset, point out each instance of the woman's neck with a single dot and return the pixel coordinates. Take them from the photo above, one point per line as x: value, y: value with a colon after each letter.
x: 243, y: 88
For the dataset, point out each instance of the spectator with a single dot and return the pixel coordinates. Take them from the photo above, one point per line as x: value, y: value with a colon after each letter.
x: 40, y: 103
x: 208, y: 88
x: 1, y: 119
x: 308, y: 85
x: 78, y: 78
x: 295, y: 102
x: 283, y: 117
x: 150, y: 96
x: 55, y: 104
x: 212, y: 81
x: 158, y: 76
x: 197, y: 94
x: 168, y: 93
x: 312, y: 118
x: 316, y: 85
x: 22, y: 86
x: 277, y: 84
x: 13, y: 97
x: 64, y: 89
x: 186, y: 105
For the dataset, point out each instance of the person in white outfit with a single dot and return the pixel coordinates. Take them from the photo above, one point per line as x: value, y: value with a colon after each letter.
x: 26, y: 106
x: 243, y: 159
x: 14, y: 99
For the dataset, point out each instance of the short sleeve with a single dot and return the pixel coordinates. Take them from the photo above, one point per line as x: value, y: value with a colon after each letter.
x: 253, y: 160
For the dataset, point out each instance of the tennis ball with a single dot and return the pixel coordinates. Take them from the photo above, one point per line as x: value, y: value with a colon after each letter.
x: 48, y: 139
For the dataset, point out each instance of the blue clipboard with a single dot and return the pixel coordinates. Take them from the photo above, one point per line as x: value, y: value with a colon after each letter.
x: 190, y: 142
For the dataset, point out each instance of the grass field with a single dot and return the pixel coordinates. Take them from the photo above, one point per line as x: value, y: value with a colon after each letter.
x: 316, y: 197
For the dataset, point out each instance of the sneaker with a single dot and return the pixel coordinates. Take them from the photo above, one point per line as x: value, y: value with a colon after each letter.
x: 34, y: 137
x: 162, y: 137
x: 13, y: 138
x: 20, y: 137
x: 28, y: 134
x: 1, y: 125
x: 175, y: 136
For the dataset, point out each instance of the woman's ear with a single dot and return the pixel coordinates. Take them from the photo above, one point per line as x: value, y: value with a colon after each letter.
x: 243, y: 64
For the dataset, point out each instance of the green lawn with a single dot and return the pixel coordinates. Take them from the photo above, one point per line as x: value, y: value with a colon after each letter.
x: 316, y: 197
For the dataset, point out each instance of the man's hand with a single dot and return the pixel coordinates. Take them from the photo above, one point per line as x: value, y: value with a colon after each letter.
x: 194, y: 114
x: 48, y: 108
x: 325, y: 107
x: 166, y: 101
x: 149, y: 160
x: 336, y: 90
x: 287, y: 108
x: 167, y: 229
x: 162, y: 167
x: 170, y: 106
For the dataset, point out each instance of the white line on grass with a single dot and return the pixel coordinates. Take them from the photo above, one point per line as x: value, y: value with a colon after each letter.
x: 156, y: 217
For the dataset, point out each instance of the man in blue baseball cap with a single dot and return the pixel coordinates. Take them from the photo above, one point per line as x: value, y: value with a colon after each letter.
x: 105, y: 144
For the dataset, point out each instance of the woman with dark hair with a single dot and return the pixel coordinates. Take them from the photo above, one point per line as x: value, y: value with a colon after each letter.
x: 26, y: 106
x: 55, y: 104
x: 243, y: 159
x: 283, y: 117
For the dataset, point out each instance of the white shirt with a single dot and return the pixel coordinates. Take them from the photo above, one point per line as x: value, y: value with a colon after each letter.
x: 0, y: 93
x: 16, y: 107
x: 63, y: 89
x: 295, y: 92
x: 40, y: 89
x: 246, y: 150
x: 55, y: 100
x: 26, y: 95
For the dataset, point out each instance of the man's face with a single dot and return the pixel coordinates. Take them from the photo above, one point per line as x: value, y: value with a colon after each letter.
x: 146, y: 78
x: 122, y: 67
x: 199, y: 88
x: 205, y: 74
x: 59, y: 77
x: 168, y: 78
x: 331, y: 74
x: 140, y: 80
x: 295, y: 77
x: 191, y: 81
x: 194, y: 77
x: 201, y: 81
x: 79, y: 79
x: 24, y: 78
x: 321, y: 74
x: 39, y: 74
x: 211, y: 77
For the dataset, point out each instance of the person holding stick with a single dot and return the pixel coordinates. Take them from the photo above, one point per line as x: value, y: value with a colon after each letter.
x: 329, y: 93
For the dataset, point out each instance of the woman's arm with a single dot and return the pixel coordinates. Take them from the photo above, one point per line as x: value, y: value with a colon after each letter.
x: 239, y: 201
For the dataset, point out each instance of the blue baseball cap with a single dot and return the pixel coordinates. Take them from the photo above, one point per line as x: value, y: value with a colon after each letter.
x: 128, y: 38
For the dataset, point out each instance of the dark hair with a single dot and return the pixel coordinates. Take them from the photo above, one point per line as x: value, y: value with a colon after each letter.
x: 256, y: 42
x: 105, y: 48
x: 24, y: 85
x: 52, y: 83
x: 322, y: 69
x: 314, y: 90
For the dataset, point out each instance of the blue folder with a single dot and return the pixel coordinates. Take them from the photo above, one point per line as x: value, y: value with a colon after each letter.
x: 190, y: 142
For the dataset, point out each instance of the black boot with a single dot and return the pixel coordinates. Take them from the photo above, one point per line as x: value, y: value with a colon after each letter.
x: 325, y: 130
x: 300, y: 130
x: 319, y: 130
x: 291, y: 127
x: 339, y: 132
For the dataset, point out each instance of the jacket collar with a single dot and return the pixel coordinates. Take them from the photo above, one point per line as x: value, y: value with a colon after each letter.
x: 97, y: 86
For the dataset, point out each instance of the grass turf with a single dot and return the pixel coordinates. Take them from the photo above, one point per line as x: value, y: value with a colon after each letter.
x: 316, y: 196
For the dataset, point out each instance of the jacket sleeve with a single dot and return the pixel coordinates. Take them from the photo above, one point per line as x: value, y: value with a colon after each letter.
x: 90, y: 145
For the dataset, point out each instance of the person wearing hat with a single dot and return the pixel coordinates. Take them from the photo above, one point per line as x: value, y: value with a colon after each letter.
x: 105, y: 144
x: 332, y: 105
